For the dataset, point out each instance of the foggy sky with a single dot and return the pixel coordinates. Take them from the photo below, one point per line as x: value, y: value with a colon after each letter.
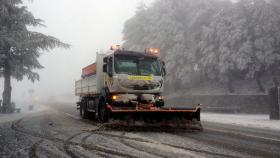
x: 89, y: 26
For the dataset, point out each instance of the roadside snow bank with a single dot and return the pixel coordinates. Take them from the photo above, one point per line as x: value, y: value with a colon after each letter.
x: 24, y: 112
x: 247, y: 120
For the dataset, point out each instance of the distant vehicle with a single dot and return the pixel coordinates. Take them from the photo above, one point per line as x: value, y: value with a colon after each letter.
x: 30, y: 107
x: 17, y: 110
x: 14, y: 109
x: 128, y: 85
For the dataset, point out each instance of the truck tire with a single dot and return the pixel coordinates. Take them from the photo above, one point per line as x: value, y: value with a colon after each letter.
x: 102, y: 112
x: 83, y: 111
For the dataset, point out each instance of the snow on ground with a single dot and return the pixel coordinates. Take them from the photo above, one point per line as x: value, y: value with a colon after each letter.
x: 24, y: 111
x: 248, y: 120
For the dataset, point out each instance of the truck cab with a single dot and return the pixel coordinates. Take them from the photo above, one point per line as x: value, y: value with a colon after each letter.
x: 134, y: 76
x: 133, y: 72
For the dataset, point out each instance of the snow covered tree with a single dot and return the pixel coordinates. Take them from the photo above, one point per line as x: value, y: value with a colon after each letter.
x: 264, y: 35
x: 219, y: 44
x: 206, y: 40
x: 174, y: 27
x: 242, y: 42
x: 20, y: 48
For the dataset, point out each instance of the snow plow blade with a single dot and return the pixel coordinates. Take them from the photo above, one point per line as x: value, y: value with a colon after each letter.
x: 155, y: 117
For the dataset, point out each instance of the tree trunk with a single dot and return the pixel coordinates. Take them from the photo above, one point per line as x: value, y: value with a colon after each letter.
x: 259, y: 82
x: 7, y: 88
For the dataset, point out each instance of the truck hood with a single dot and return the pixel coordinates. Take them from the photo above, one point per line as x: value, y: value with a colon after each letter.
x: 145, y: 84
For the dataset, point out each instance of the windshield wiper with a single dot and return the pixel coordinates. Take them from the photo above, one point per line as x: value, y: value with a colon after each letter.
x: 146, y: 74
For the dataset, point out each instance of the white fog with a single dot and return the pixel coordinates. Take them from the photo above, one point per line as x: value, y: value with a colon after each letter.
x: 89, y: 26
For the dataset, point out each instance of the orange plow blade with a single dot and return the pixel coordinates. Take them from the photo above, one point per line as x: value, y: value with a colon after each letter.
x: 146, y: 116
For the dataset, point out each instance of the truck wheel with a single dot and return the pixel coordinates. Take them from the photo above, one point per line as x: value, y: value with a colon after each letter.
x: 102, y: 112
x: 83, y: 111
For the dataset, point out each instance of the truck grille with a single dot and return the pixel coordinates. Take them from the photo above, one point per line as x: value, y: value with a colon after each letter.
x: 144, y: 87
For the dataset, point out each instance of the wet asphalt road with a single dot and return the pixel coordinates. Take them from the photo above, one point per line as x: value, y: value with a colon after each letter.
x: 59, y: 132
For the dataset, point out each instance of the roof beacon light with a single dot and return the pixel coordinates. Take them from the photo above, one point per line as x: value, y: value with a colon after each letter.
x: 116, y: 47
x: 154, y: 51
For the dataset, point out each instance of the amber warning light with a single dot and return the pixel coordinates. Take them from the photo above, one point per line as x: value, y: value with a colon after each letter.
x: 116, y: 47
x: 154, y: 51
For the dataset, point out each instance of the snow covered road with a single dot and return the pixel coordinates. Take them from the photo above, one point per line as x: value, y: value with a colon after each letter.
x: 259, y: 121
x: 58, y: 132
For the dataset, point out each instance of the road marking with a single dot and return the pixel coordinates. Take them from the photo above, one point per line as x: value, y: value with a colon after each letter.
x: 73, y: 116
x: 243, y: 134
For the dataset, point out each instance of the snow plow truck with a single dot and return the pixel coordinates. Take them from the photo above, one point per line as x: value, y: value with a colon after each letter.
x: 128, y: 86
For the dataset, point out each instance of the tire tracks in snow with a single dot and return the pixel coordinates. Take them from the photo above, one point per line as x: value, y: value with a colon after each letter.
x: 33, y: 149
x: 67, y: 143
x: 188, y: 149
x: 102, y: 150
x: 123, y: 141
x: 15, y: 126
x: 236, y: 142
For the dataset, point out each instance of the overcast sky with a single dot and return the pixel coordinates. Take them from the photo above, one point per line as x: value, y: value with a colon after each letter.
x: 88, y: 25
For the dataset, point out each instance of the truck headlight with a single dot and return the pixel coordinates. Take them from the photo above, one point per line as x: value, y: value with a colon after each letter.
x: 159, y: 98
x: 114, y: 97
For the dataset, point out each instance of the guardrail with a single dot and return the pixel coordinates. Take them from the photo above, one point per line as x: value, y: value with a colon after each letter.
x: 254, y: 104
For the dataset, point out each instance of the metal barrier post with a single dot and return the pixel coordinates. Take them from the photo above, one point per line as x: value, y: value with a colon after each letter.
x: 278, y: 101
x: 0, y: 102
x: 275, y: 103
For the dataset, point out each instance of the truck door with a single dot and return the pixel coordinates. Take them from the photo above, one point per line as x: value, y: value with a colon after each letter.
x: 110, y: 66
x: 109, y: 74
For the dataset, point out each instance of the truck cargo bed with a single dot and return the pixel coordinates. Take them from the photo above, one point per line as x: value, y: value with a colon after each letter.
x: 86, y: 86
x: 92, y: 78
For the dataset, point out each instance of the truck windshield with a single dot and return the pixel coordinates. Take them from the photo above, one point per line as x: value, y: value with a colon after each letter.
x: 143, y: 66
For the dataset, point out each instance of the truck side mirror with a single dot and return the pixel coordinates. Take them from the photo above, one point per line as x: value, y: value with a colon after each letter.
x: 110, y: 66
x: 105, y: 60
x: 163, y: 68
x: 105, y: 68
x: 110, y: 74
